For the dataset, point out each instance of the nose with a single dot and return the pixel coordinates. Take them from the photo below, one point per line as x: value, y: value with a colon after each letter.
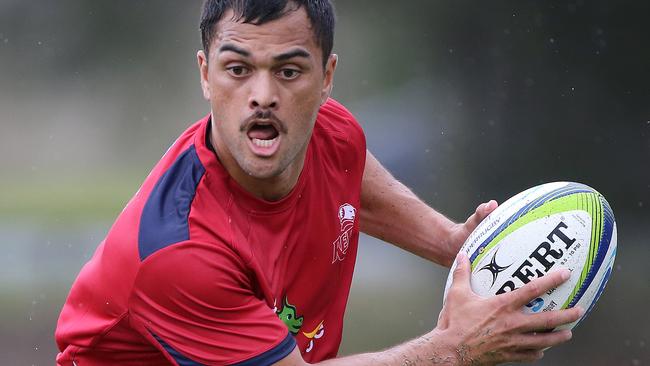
x: 264, y: 92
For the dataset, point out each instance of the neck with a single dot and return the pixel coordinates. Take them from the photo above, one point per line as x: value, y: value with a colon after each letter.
x: 273, y: 188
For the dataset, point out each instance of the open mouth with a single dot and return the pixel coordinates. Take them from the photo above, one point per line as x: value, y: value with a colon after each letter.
x: 264, y: 137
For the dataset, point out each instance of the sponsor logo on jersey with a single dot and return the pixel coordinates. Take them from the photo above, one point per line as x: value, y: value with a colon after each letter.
x: 347, y: 215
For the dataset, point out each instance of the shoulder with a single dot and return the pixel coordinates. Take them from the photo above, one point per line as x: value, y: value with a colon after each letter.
x: 186, y: 198
x: 338, y: 141
x: 337, y: 119
x: 340, y: 132
x: 165, y: 215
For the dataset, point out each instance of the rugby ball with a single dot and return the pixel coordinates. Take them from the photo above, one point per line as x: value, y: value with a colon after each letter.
x: 547, y: 227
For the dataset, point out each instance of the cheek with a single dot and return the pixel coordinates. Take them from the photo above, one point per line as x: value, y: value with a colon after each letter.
x: 226, y: 104
x: 225, y: 113
x: 306, y: 101
x: 224, y: 90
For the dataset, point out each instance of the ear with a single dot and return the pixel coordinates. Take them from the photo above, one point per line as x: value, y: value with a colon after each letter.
x: 202, y: 60
x: 328, y: 84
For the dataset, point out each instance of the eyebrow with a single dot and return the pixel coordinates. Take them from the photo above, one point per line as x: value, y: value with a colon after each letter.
x: 229, y: 47
x: 232, y: 48
x: 291, y: 54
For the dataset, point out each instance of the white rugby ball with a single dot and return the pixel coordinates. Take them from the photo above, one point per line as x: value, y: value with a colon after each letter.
x: 547, y: 227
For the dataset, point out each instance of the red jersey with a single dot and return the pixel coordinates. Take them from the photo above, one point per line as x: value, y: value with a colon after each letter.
x: 197, y: 271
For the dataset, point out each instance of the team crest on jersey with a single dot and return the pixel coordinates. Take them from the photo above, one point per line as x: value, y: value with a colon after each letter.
x: 347, y: 215
x: 289, y: 316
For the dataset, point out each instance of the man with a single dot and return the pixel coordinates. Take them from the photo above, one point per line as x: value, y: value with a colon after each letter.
x: 240, y: 245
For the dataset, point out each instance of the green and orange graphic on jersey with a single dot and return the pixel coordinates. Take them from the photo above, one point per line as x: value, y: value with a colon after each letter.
x: 289, y: 315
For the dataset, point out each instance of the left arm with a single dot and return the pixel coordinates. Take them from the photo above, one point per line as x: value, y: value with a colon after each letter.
x: 390, y: 211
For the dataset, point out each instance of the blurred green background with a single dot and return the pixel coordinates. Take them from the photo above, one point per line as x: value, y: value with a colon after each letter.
x: 464, y: 101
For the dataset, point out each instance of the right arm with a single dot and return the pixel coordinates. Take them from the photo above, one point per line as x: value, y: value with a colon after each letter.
x: 473, y: 330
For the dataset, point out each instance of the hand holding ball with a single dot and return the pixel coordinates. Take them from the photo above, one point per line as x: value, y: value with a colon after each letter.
x: 545, y: 228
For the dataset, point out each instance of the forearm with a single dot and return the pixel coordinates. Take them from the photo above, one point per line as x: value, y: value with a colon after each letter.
x: 433, y: 348
x: 391, y: 212
x: 425, y: 350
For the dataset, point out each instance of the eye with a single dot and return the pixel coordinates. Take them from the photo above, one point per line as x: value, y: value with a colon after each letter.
x: 238, y: 70
x: 289, y: 74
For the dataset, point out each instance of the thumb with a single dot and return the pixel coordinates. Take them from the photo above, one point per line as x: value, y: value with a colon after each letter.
x: 462, y: 272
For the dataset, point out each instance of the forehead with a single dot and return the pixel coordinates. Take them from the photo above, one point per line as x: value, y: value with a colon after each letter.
x: 291, y: 30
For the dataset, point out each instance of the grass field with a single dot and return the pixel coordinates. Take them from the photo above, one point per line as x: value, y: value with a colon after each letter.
x: 67, y: 199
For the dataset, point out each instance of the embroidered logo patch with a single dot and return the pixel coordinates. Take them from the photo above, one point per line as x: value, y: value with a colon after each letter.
x: 347, y: 215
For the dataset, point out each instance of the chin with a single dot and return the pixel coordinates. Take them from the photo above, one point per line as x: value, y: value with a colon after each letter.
x: 263, y: 171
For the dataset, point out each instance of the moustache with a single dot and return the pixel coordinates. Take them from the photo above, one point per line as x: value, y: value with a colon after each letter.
x: 264, y: 117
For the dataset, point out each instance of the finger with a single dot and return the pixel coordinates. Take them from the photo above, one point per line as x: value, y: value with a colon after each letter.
x: 540, y: 341
x: 549, y: 320
x: 462, y: 272
x: 537, y: 287
x: 481, y: 213
x: 488, y: 207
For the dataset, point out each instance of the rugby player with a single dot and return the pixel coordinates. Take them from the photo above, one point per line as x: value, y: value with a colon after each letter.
x: 239, y: 247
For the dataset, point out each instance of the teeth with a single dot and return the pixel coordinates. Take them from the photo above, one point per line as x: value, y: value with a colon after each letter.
x: 264, y: 143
